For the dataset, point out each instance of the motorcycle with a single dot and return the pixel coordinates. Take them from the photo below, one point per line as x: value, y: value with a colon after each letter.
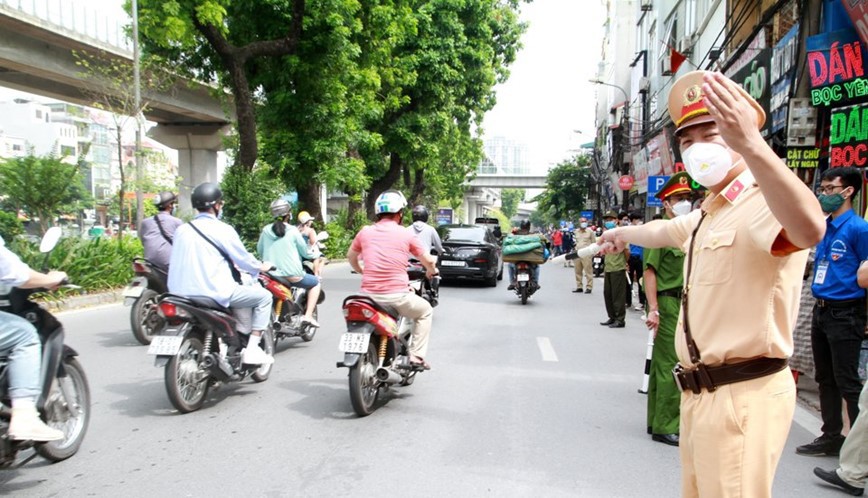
x: 525, y: 283
x: 64, y: 402
x: 290, y: 303
x: 200, y: 348
x: 141, y: 294
x: 377, y: 343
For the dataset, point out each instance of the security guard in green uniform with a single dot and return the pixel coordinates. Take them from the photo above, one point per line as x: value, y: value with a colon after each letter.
x: 615, y: 280
x: 663, y: 276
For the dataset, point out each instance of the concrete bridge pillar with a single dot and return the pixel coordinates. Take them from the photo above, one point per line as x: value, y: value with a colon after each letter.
x: 197, y: 146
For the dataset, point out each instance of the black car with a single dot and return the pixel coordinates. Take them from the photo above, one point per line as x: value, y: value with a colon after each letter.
x: 470, y: 252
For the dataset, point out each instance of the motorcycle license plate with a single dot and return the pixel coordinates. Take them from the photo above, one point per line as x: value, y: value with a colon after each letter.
x: 597, y: 260
x: 523, y: 277
x: 134, y: 291
x: 354, y: 342
x: 165, y: 345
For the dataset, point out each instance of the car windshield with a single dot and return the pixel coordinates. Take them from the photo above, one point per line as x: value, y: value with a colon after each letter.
x: 465, y: 234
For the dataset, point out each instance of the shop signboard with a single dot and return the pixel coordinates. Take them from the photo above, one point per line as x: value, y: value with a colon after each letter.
x: 858, y: 11
x: 836, y: 67
x: 783, y: 69
x: 640, y: 169
x: 803, y: 157
x: 755, y: 78
x: 848, y: 136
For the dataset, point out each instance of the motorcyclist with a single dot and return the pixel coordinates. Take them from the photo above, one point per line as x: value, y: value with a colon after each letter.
x: 205, y: 253
x: 157, y: 231
x: 426, y: 234
x: 21, y: 347
x: 282, y: 244
x: 524, y: 229
x: 384, y: 247
x: 305, y: 227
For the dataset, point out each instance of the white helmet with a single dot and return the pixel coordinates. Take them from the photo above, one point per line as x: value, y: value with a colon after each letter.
x: 279, y: 208
x: 390, y: 201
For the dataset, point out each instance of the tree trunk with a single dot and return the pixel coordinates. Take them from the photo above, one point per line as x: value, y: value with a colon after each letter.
x: 418, y: 187
x: 122, y: 190
x: 382, y: 184
x: 248, y: 147
x: 309, y: 199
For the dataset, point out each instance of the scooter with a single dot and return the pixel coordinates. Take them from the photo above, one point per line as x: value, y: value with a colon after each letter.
x: 289, y: 306
x: 525, y: 283
x: 64, y: 402
x: 141, y: 294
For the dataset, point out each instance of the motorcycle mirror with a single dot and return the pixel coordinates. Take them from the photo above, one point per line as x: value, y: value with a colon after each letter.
x: 49, y: 240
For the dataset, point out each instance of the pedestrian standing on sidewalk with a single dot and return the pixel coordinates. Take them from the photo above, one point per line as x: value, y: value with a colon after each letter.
x: 634, y: 268
x: 615, y: 280
x: 663, y: 275
x: 838, y: 324
x: 584, y: 237
x: 745, y: 256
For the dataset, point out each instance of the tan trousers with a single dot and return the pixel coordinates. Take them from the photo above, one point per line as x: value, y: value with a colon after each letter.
x: 414, y: 307
x: 854, y: 454
x: 732, y: 439
x: 585, y: 266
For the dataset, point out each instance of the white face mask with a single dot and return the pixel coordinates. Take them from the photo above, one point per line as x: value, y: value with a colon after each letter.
x: 681, y: 208
x: 707, y: 163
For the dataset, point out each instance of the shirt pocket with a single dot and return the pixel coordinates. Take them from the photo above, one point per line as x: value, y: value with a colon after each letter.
x: 718, y: 256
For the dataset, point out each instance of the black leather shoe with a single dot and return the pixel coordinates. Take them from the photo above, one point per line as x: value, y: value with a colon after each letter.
x: 579, y: 290
x: 616, y: 325
x: 587, y: 291
x: 670, y: 439
x: 832, y: 478
x: 608, y: 322
x: 823, y: 445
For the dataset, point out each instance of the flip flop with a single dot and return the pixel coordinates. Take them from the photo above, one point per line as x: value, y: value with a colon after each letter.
x: 420, y: 365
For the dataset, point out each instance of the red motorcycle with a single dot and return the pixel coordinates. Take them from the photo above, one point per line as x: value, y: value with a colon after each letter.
x: 288, y: 309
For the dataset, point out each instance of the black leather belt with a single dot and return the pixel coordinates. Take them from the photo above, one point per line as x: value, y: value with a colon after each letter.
x: 846, y: 303
x: 676, y: 293
x: 709, y: 378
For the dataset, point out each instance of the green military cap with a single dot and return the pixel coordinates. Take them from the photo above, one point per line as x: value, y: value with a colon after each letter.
x: 610, y: 214
x: 678, y: 183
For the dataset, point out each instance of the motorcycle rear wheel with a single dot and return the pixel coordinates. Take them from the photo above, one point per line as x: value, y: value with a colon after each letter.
x: 58, y: 416
x: 186, y: 392
x: 364, y: 386
x: 267, y: 341
x: 143, y: 313
x: 524, y: 294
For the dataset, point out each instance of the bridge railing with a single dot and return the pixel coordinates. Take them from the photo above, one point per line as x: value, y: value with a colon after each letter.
x: 71, y: 15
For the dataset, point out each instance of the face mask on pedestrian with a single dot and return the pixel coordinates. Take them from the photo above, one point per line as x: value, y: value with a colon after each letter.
x: 830, y: 203
x: 707, y: 163
x: 681, y: 208
x: 609, y: 224
x: 583, y: 225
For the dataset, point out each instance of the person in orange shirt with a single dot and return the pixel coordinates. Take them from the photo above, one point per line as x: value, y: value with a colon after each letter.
x: 745, y: 257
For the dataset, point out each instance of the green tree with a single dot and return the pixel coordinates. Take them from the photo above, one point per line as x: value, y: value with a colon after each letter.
x: 248, y: 197
x: 567, y: 187
x: 44, y: 187
x: 509, y: 199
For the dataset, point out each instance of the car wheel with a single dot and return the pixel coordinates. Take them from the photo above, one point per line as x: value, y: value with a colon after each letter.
x: 500, y: 272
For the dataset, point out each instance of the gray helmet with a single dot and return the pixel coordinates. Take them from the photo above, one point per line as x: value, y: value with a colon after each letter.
x: 164, y: 198
x: 279, y: 208
x: 205, y: 196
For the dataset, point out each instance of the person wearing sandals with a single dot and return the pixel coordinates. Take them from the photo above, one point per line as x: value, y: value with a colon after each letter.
x: 385, y: 248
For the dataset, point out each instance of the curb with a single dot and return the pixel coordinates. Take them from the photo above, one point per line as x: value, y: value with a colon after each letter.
x: 83, y: 301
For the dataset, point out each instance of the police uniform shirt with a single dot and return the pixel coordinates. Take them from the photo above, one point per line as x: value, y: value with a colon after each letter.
x: 746, y: 279
x: 838, y: 257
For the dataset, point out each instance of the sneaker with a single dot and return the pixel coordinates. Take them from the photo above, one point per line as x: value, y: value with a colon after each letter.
x: 823, y: 445
x: 27, y: 426
x: 256, y: 356
x: 310, y: 321
x: 832, y: 477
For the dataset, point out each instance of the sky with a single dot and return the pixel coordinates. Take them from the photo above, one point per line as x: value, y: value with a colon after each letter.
x: 547, y: 95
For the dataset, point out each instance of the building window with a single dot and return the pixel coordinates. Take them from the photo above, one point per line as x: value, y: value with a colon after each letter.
x: 66, y: 150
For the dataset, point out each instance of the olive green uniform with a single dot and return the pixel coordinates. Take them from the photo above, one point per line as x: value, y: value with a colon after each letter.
x: 664, y: 398
x: 615, y: 286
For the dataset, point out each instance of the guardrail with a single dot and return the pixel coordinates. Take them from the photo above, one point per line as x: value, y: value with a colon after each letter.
x: 69, y: 15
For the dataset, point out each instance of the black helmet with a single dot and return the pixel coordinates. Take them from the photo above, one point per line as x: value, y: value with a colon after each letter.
x: 164, y: 198
x: 420, y: 213
x: 525, y: 225
x: 205, y: 196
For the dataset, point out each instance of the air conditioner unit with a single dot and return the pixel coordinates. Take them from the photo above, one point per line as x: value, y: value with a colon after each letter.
x: 665, y: 65
x: 645, y: 5
x: 684, y: 45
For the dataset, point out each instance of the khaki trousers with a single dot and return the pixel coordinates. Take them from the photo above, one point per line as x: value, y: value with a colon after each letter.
x: 585, y: 266
x: 414, y: 307
x: 732, y: 439
x: 854, y: 454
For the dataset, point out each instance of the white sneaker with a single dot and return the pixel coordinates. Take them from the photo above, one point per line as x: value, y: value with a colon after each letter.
x: 27, y: 426
x: 256, y: 356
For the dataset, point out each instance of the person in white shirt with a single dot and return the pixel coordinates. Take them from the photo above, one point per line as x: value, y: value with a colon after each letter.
x: 198, y: 269
x: 20, y: 345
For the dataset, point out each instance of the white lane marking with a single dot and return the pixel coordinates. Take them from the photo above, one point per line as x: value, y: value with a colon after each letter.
x: 807, y: 420
x: 546, y: 349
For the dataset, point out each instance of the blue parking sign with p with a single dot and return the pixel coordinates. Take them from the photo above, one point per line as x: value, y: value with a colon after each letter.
x: 655, y: 183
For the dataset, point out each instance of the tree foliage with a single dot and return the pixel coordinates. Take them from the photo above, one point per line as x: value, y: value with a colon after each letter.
x: 509, y: 199
x: 567, y: 188
x: 248, y: 196
x: 44, y: 187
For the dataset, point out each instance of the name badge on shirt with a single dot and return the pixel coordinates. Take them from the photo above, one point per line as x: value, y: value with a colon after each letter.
x: 822, y: 268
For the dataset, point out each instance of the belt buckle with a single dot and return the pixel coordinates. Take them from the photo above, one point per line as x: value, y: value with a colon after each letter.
x: 821, y: 303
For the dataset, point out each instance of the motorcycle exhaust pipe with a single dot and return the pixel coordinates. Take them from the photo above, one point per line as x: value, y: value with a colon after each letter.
x: 218, y: 367
x: 388, y: 376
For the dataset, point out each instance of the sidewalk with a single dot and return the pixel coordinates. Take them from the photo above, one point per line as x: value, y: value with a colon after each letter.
x: 83, y: 300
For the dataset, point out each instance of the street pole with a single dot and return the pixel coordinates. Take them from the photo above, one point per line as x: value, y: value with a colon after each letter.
x: 140, y: 201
